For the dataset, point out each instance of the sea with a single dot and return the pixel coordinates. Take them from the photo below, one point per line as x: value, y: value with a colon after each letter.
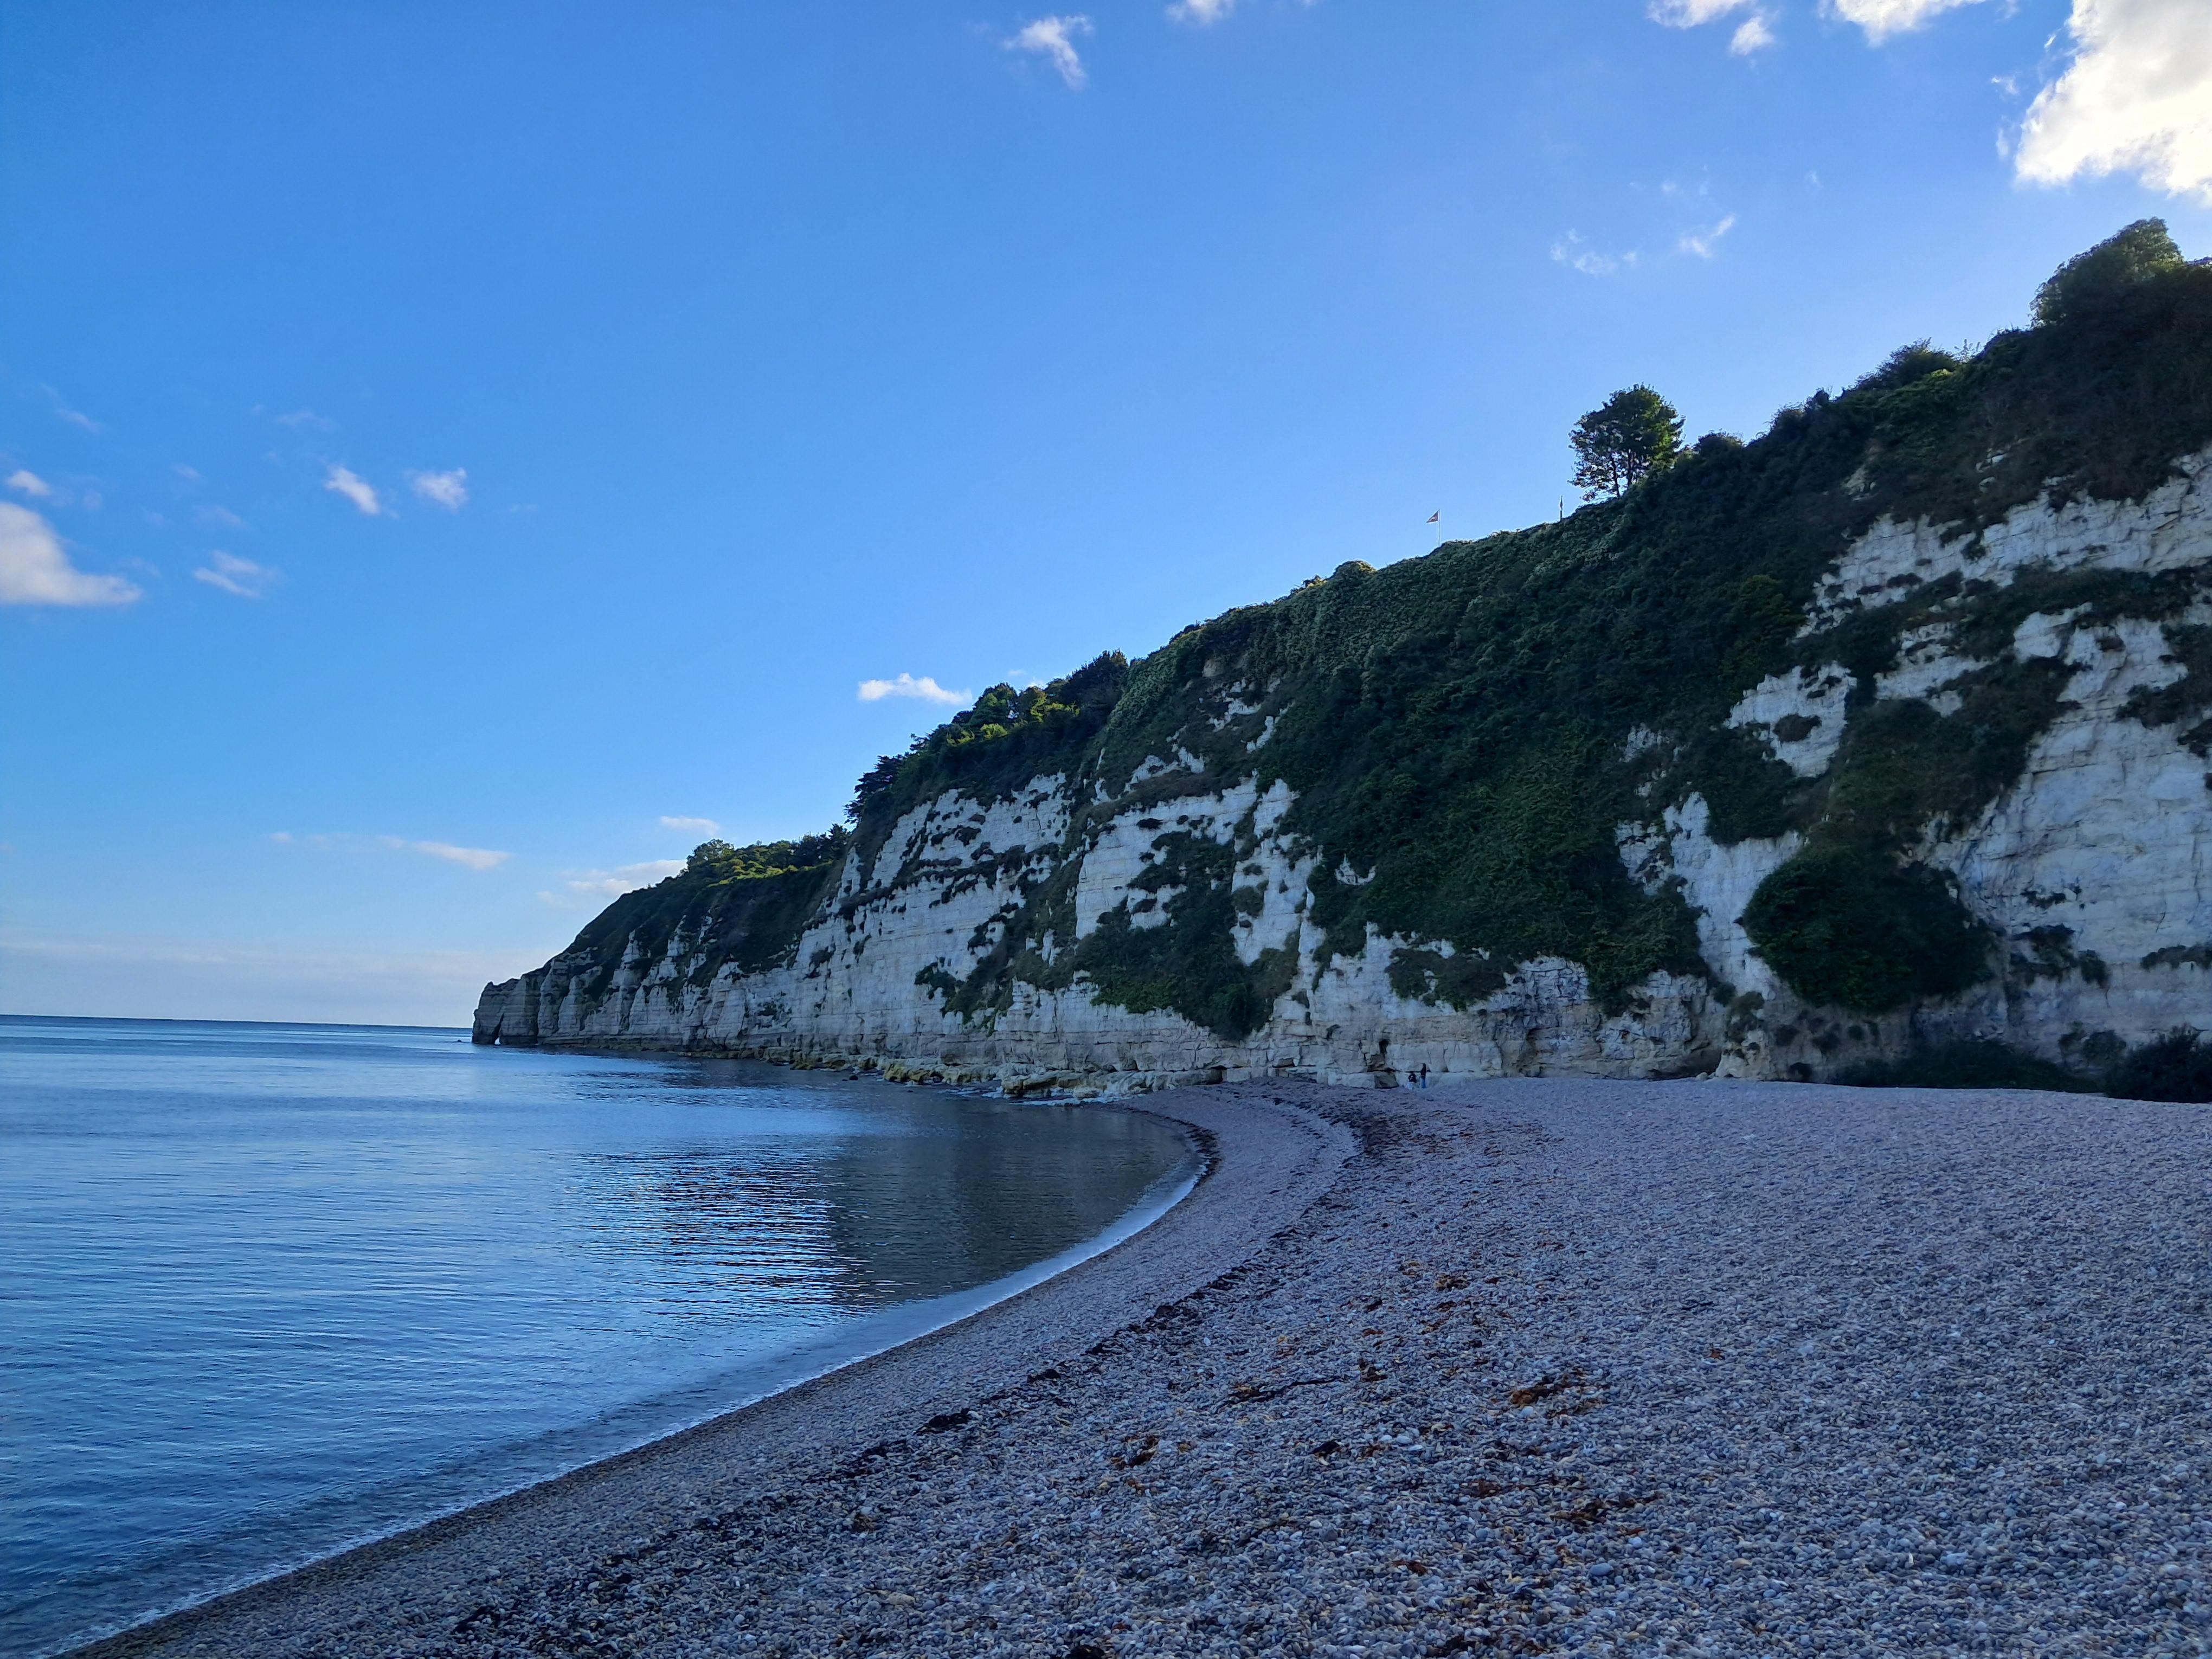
x: 267, y: 1291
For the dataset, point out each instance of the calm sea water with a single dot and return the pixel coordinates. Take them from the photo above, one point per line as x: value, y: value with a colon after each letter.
x: 269, y: 1289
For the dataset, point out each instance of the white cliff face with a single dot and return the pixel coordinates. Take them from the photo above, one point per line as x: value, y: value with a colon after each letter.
x: 2169, y: 529
x: 2094, y: 868
x: 2102, y: 854
x: 1799, y: 716
x: 870, y: 979
x: 2091, y: 869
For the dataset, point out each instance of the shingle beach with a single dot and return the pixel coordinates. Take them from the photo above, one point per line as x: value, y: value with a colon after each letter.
x: 1517, y: 1367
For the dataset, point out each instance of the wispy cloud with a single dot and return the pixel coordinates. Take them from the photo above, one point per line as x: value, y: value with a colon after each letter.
x: 188, y: 474
x: 599, y: 886
x: 690, y: 826
x: 1202, y: 12
x: 306, y: 420
x: 926, y: 689
x: 35, y: 570
x: 75, y: 417
x: 1573, y: 252
x: 448, y: 489
x: 218, y: 518
x: 1882, y: 18
x: 471, y: 858
x: 25, y: 481
x: 1703, y: 242
x: 242, y: 577
x: 1053, y: 39
x: 2135, y: 97
x: 344, y: 481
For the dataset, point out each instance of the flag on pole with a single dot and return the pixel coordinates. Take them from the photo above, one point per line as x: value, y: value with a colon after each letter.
x: 1433, y: 517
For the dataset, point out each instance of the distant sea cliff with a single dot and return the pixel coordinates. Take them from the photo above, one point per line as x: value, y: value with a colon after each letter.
x: 1890, y: 728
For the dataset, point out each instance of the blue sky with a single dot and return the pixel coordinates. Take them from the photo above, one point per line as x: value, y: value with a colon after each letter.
x: 454, y: 454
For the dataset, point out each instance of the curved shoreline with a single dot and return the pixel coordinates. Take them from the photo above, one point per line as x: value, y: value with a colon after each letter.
x: 1266, y: 1160
x: 1662, y: 1368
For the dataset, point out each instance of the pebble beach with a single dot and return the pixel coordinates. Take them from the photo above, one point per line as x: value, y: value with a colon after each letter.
x: 1527, y: 1366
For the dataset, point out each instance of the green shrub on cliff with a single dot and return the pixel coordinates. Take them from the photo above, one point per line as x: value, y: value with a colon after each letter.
x: 1007, y: 738
x: 746, y: 905
x: 2178, y: 1066
x: 1851, y: 928
x: 1980, y: 1064
x: 2141, y: 252
x: 719, y: 861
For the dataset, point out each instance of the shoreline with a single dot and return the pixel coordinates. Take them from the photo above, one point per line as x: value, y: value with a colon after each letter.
x: 817, y: 1414
x: 1622, y: 1370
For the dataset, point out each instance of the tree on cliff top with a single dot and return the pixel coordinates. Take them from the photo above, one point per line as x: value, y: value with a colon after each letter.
x: 2136, y: 254
x: 1632, y: 433
x: 718, y: 861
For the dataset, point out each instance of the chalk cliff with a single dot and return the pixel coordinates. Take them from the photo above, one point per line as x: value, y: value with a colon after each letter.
x: 1889, y: 727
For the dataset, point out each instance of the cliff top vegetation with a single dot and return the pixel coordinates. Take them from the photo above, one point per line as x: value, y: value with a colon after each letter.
x: 1464, y: 732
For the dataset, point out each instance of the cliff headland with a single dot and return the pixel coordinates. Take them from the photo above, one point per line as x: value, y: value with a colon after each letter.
x: 1887, y: 730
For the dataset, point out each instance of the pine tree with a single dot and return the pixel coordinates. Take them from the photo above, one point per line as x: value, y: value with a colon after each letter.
x: 1632, y: 433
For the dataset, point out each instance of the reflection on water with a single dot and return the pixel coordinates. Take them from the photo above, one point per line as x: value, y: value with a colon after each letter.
x: 267, y: 1289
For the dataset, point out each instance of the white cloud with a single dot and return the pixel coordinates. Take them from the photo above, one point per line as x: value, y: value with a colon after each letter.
x: 925, y: 688
x: 1753, y: 34
x: 26, y: 482
x: 472, y: 858
x: 283, y: 837
x: 1702, y: 242
x: 247, y: 579
x: 2136, y: 97
x: 1882, y: 18
x: 448, y: 489
x: 1689, y: 13
x: 1202, y: 12
x: 1573, y: 252
x: 35, y: 570
x: 1054, y: 39
x: 344, y: 481
x: 602, y: 886
x: 300, y: 419
x: 688, y: 826
x: 1756, y: 34
x: 188, y: 474
x: 220, y: 518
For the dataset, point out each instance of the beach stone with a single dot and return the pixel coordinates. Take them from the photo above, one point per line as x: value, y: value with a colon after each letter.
x: 1798, y: 1371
